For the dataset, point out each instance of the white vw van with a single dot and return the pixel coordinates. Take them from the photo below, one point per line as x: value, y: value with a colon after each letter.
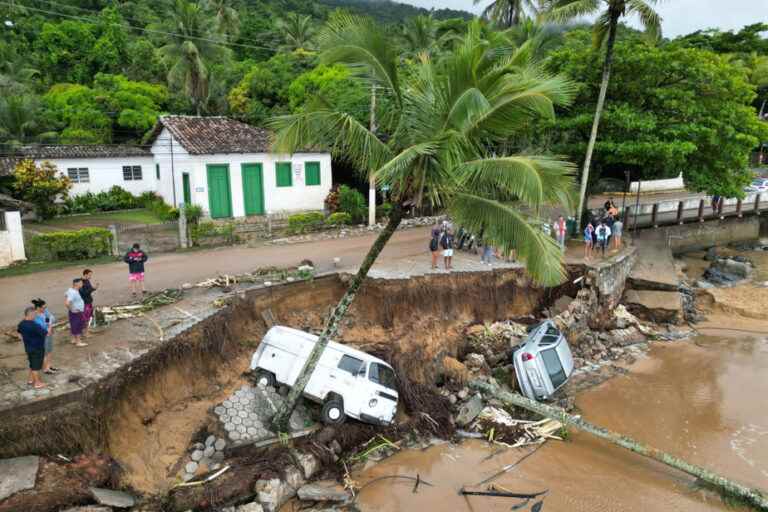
x: 346, y: 381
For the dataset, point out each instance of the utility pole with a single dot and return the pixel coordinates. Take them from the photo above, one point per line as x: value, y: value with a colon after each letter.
x: 371, y: 180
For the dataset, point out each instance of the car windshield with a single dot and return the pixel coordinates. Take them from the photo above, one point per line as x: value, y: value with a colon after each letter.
x: 554, y: 367
x: 352, y: 365
x: 383, y: 375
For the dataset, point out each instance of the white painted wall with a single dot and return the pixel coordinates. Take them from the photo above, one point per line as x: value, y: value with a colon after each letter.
x: 169, y: 154
x: 11, y: 240
x: 658, y: 185
x: 104, y: 173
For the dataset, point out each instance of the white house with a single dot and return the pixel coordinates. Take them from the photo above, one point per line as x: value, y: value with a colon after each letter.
x: 223, y: 165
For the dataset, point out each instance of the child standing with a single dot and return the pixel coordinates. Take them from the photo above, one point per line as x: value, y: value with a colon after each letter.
x: 33, y: 337
x: 588, y: 232
x: 135, y: 259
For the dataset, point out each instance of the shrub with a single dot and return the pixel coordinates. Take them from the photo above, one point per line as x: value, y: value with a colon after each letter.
x: 339, y: 219
x: 332, y: 200
x: 211, y: 229
x: 384, y: 209
x: 116, y: 198
x: 71, y: 245
x: 303, y: 222
x: 194, y: 213
x: 162, y: 210
x: 40, y: 186
x: 351, y: 201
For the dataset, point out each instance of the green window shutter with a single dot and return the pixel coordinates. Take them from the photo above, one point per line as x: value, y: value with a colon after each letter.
x: 283, y: 174
x: 312, y: 173
x: 157, y: 171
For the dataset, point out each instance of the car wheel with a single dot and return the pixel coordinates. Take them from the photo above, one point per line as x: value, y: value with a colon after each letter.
x: 265, y: 379
x: 333, y: 412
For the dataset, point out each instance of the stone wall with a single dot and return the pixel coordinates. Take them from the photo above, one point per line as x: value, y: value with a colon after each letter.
x: 703, y: 235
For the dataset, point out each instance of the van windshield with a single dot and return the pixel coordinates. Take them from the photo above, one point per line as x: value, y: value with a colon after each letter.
x: 554, y: 367
x: 383, y: 375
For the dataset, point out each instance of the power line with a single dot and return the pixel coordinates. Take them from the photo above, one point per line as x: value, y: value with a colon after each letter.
x: 148, y: 30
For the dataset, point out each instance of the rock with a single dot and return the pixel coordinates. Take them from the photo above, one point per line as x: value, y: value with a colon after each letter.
x: 210, y: 440
x: 701, y: 283
x: 623, y: 318
x: 208, y: 452
x: 308, y: 463
x: 741, y: 269
x: 273, y: 493
x: 18, y: 474
x: 655, y: 306
x: 197, y: 456
x: 117, y: 499
x: 294, y: 477
x: 475, y: 361
x: 191, y: 467
x: 469, y: 410
x: 335, y: 447
x: 186, y: 286
x: 250, y: 507
x: 452, y: 398
x: 711, y: 254
x: 220, y: 444
x: 88, y: 508
x: 463, y: 394
x: 323, y: 491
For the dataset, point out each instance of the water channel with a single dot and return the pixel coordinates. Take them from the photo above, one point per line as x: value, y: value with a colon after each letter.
x: 701, y: 399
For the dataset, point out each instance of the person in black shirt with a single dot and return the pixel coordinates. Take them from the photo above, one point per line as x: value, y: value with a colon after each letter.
x: 33, y: 337
x: 86, y: 292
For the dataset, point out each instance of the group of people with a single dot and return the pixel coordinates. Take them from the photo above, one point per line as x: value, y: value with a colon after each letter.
x: 442, y: 241
x: 36, y: 330
x: 603, y: 232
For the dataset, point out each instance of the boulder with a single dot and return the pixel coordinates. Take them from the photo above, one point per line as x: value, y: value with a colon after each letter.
x: 308, y: 463
x: 469, y: 410
x: 117, y: 499
x: 88, y: 508
x: 273, y: 493
x: 475, y: 362
x: 18, y: 474
x: 250, y: 507
x: 323, y: 491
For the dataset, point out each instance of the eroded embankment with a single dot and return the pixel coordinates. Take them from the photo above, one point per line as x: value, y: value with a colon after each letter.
x: 145, y: 414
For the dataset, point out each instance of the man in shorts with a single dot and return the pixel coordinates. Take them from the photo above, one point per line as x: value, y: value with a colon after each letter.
x: 33, y: 336
x: 446, y: 242
x: 75, y: 307
x: 135, y: 259
x: 86, y: 292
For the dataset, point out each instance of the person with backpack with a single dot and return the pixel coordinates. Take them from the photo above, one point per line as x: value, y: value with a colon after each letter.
x: 446, y: 242
x: 33, y: 336
x: 434, y: 246
x: 603, y: 233
x: 560, y: 232
x: 135, y: 258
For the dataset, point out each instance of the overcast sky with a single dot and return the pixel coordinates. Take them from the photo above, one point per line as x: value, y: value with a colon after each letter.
x: 680, y: 16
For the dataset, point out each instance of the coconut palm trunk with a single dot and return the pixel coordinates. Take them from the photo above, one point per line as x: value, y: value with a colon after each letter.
x: 614, y: 17
x: 754, y: 497
x: 280, y: 420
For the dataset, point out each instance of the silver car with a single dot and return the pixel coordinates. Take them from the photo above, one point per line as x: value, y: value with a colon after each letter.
x: 543, y: 363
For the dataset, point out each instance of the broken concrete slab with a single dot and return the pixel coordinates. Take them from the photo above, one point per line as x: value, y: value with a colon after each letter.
x: 469, y: 410
x: 655, y: 306
x: 117, y: 499
x: 327, y: 490
x: 18, y: 474
x: 273, y: 493
x: 250, y: 507
x: 308, y: 463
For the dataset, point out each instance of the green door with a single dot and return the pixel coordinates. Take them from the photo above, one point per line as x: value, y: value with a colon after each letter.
x: 187, y: 189
x: 219, y: 196
x: 253, y: 189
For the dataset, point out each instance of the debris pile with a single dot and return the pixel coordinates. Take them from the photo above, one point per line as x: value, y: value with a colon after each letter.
x: 499, y: 427
x: 726, y: 272
x: 492, y: 342
x: 265, y: 275
x: 108, y: 314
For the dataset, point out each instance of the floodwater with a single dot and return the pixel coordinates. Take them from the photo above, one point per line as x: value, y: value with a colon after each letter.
x: 702, y: 400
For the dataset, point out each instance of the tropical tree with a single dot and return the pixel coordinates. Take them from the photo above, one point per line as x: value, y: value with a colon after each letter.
x: 227, y: 18
x: 508, y: 13
x: 443, y: 150
x: 191, y: 47
x: 15, y: 71
x: 298, y: 31
x: 424, y: 34
x: 603, y: 32
x: 18, y: 118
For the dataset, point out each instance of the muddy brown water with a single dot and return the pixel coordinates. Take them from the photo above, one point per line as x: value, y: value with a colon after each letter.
x: 700, y: 400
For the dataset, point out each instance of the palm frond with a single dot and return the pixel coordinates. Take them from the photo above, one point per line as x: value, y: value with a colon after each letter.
x: 600, y: 29
x: 563, y: 11
x: 649, y: 18
x: 504, y: 226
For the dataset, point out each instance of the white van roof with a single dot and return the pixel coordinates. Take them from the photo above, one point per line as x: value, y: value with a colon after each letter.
x: 283, y: 332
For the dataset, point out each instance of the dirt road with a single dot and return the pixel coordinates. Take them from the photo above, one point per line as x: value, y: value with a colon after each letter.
x: 174, y: 269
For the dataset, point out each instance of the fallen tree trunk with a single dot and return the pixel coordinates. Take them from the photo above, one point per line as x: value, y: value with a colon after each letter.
x: 754, y: 497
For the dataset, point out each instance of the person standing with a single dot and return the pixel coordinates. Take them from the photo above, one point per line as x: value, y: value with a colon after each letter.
x: 616, y: 232
x: 446, y: 242
x: 488, y: 253
x: 560, y: 232
x: 45, y: 319
x: 135, y: 258
x: 434, y: 246
x: 603, y: 233
x: 609, y: 221
x: 75, y: 306
x: 588, y: 232
x: 33, y: 337
x: 86, y: 292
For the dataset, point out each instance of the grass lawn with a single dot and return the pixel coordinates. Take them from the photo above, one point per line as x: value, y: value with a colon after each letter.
x: 32, y: 267
x: 101, y: 219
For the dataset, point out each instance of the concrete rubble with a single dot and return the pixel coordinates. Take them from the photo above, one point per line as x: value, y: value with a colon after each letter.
x: 18, y: 474
x: 110, y: 498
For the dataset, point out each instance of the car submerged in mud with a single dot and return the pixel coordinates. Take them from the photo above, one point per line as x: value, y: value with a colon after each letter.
x: 544, y: 362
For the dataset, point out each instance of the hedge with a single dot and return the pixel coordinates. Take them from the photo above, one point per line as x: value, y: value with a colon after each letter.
x: 303, y: 222
x: 339, y: 219
x: 70, y: 245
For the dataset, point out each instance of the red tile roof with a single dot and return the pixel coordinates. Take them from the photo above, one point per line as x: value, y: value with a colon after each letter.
x: 213, y: 135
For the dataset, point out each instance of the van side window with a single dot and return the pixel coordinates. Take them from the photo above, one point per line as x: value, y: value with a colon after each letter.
x: 381, y: 374
x: 351, y: 364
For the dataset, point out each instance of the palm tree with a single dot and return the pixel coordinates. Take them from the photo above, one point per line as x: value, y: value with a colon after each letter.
x: 298, y: 31
x: 227, y: 18
x: 190, y: 48
x: 423, y: 34
x: 604, y: 32
x: 442, y: 150
x: 18, y: 118
x: 508, y: 13
x: 15, y: 72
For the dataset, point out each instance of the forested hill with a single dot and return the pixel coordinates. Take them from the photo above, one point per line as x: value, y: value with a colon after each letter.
x: 388, y: 11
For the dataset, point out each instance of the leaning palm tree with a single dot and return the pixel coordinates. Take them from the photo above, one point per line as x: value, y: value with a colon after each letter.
x: 508, y: 13
x: 298, y: 31
x: 604, y: 32
x: 450, y: 117
x: 191, y: 46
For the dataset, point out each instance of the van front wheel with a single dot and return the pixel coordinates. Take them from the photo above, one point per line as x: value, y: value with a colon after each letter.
x: 265, y: 378
x: 333, y: 412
